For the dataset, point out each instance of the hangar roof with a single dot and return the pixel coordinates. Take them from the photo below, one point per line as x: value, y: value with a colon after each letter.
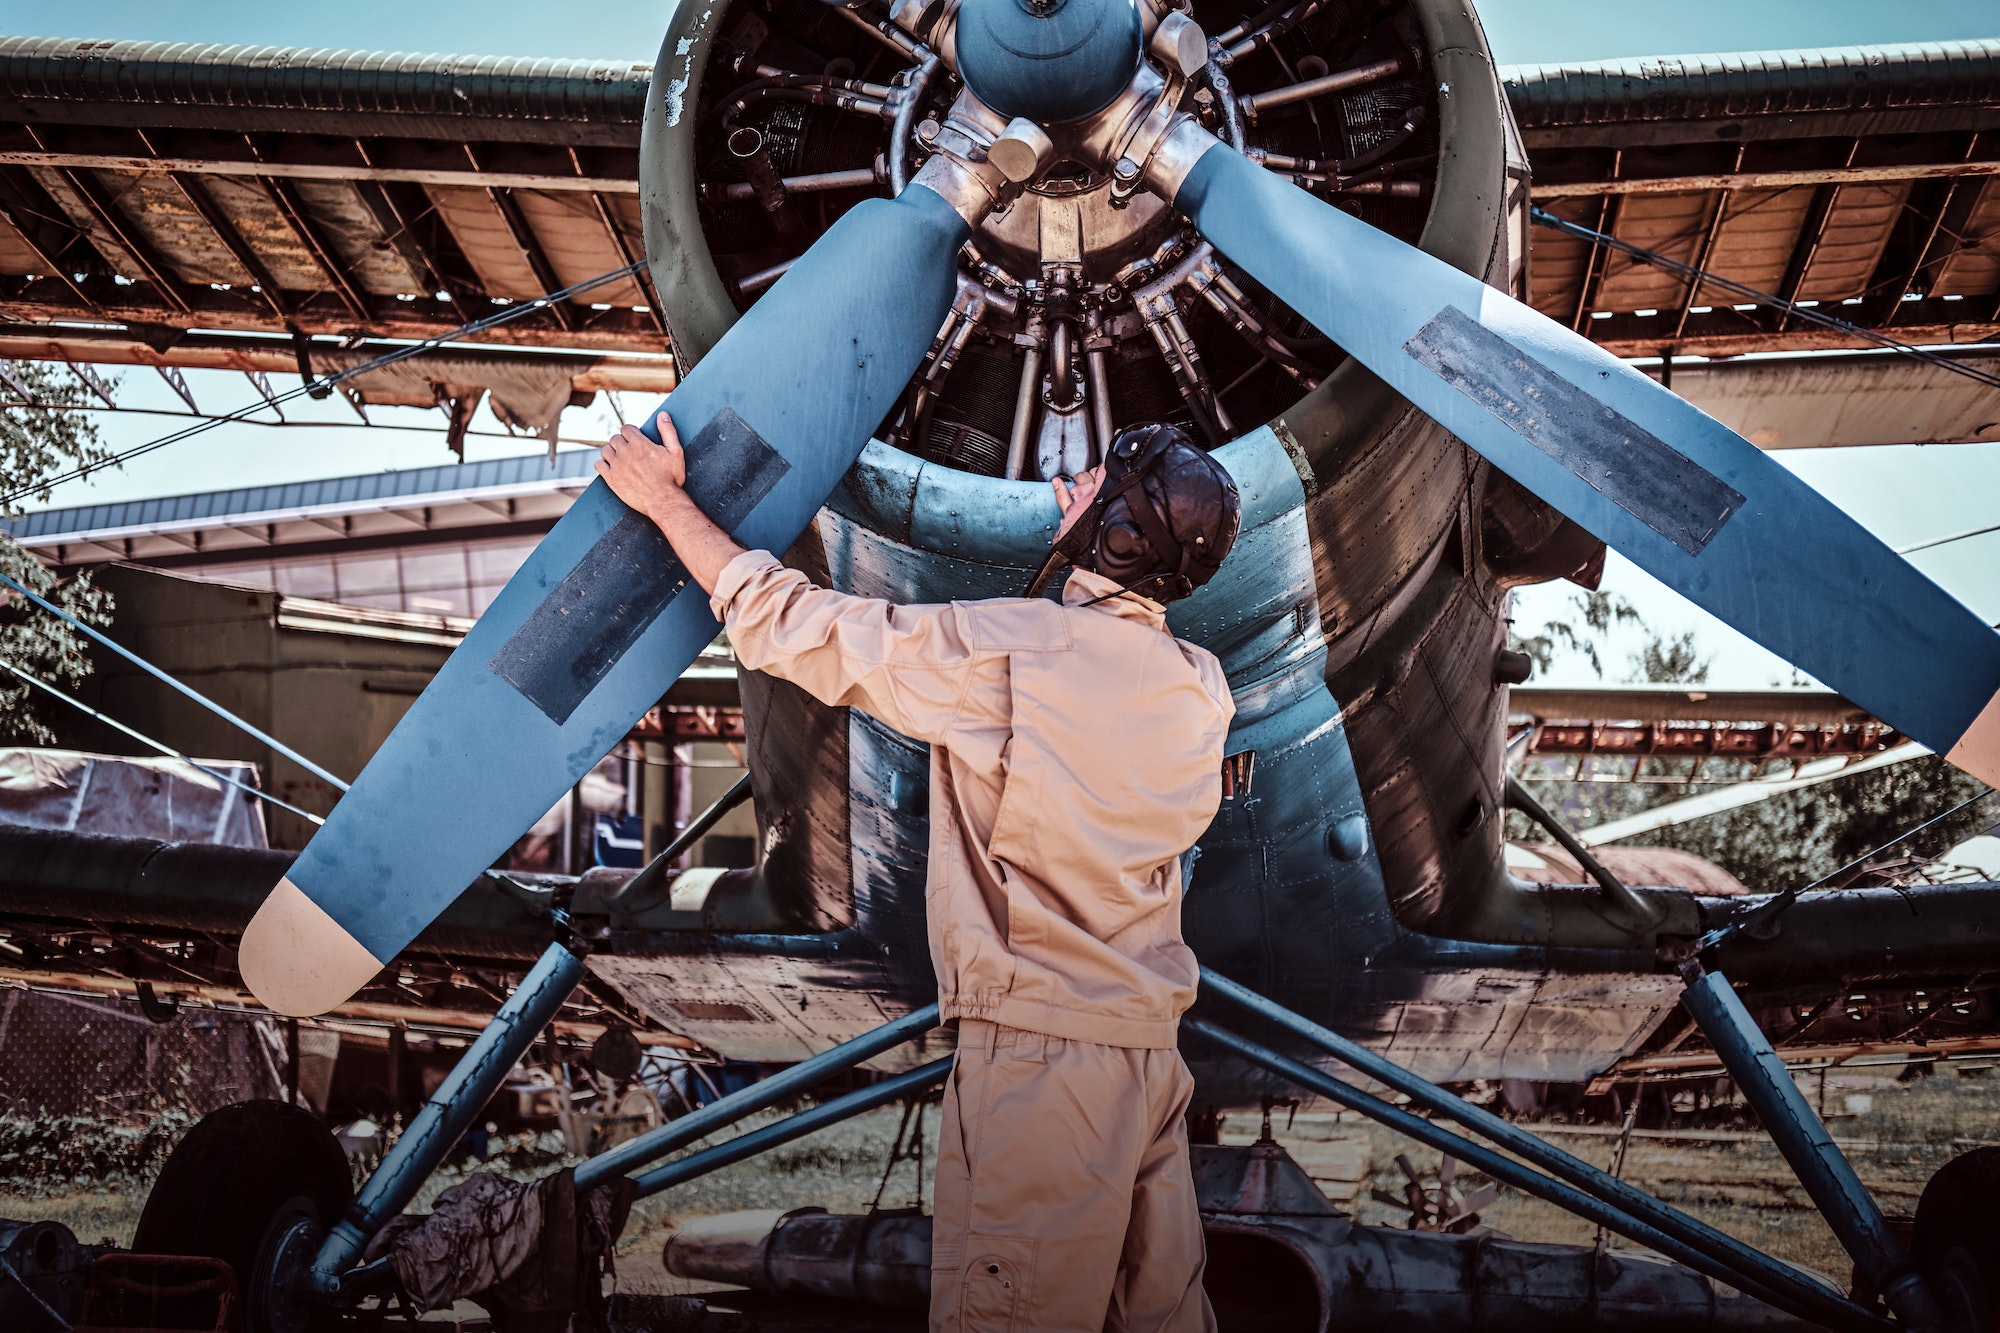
x: 153, y: 188
x: 1863, y: 178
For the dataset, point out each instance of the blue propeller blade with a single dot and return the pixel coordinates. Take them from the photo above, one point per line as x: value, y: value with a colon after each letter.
x: 602, y: 618
x: 1683, y: 496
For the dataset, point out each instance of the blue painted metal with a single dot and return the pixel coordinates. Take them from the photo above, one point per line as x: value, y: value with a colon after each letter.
x: 173, y: 684
x: 652, y: 1146
x: 1048, y: 60
x: 812, y: 368
x: 841, y: 1108
x: 458, y: 1100
x: 1854, y: 614
x: 1843, y: 1200
x: 1834, y: 1313
x: 1724, y: 1248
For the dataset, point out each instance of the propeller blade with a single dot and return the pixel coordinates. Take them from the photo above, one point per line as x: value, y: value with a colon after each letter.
x: 1686, y: 498
x: 602, y: 618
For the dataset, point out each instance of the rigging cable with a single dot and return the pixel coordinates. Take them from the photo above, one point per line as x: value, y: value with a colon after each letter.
x: 1703, y: 277
x: 163, y: 748
x: 171, y: 683
x: 480, y: 325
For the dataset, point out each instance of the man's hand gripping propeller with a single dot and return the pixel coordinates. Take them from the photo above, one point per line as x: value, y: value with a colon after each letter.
x: 602, y: 618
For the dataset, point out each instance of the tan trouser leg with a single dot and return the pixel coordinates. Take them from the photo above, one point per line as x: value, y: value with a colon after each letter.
x: 1064, y: 1199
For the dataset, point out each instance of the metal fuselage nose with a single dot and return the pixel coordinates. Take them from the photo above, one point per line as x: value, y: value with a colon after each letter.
x: 1048, y: 61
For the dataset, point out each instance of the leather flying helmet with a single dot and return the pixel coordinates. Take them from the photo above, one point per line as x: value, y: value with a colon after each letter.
x: 1161, y: 522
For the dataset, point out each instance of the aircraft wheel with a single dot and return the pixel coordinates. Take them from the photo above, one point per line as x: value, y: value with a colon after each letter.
x: 1957, y: 1240
x: 255, y: 1185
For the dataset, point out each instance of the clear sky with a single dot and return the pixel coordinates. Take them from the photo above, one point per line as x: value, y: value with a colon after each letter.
x: 1904, y: 494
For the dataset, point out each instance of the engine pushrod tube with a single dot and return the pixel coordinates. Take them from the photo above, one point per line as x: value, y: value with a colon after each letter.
x: 811, y: 183
x: 457, y: 1101
x: 1599, y: 1184
x: 819, y: 1117
x: 1843, y: 1200
x: 655, y: 1144
x: 1339, y: 81
x: 1830, y: 1310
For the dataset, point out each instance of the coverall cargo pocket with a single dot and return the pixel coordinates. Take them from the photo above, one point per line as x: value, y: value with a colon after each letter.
x: 996, y: 1285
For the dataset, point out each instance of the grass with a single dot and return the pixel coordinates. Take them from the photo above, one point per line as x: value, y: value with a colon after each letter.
x: 1744, y: 1188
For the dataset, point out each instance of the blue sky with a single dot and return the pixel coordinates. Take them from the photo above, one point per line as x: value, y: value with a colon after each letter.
x: 1904, y: 494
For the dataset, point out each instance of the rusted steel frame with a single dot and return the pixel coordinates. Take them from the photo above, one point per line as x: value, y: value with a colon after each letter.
x: 1710, y: 236
x: 293, y: 210
x: 1722, y: 342
x: 98, y: 201
x: 1710, y: 741
x: 397, y: 231
x: 1760, y: 180
x: 1599, y: 266
x: 1923, y: 258
x: 31, y: 212
x: 1812, y: 233
x: 517, y: 226
x: 324, y: 171
x: 433, y: 245
x: 328, y: 319
x: 642, y: 279
x: 226, y: 231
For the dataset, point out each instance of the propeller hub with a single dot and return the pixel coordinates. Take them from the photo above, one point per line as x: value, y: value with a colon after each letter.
x: 1048, y: 60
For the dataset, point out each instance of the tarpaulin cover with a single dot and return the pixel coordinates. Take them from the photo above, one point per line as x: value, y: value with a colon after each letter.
x: 129, y: 797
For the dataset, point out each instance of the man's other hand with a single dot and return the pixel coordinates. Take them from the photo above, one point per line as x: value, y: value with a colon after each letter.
x: 646, y: 476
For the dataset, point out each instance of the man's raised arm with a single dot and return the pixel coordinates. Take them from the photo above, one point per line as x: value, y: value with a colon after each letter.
x: 653, y: 479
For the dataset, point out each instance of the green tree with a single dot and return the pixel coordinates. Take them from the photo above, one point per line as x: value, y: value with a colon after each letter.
x: 1597, y: 613
x: 43, y: 429
x: 1784, y: 841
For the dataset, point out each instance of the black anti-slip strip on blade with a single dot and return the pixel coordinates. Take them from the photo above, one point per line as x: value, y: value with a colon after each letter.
x: 589, y: 620
x: 1633, y: 468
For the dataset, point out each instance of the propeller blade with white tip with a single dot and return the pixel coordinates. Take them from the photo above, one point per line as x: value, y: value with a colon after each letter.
x: 603, y: 618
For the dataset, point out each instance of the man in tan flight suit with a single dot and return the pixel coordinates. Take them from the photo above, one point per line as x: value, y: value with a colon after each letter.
x: 1076, y: 754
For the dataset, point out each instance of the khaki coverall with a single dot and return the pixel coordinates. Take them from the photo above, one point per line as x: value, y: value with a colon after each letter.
x: 1076, y: 753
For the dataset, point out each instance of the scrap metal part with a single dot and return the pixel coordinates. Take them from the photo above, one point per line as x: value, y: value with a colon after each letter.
x: 1280, y: 1258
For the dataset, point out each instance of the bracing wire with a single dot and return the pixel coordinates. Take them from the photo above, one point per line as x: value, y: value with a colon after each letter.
x: 1811, y: 314
x: 480, y: 325
x: 161, y: 746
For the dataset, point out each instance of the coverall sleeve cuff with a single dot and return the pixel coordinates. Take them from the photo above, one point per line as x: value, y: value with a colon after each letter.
x: 735, y: 575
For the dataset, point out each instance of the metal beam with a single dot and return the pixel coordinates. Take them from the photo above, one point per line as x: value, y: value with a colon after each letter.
x: 299, y: 218
x: 43, y: 226
x: 1761, y: 180
x: 640, y: 277
x: 1710, y: 235
x: 325, y: 171
x: 611, y: 330
x: 1952, y: 193
x: 1812, y: 232
x: 149, y: 261
x: 530, y: 248
x: 1599, y: 264
x: 227, y: 232
x: 273, y: 355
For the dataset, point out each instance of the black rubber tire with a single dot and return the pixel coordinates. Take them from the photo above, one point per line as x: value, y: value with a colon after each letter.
x: 233, y: 1183
x: 1957, y: 1240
